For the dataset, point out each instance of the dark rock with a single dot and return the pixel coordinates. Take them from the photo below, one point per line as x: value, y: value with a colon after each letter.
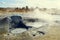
x: 40, y: 32
x: 18, y: 23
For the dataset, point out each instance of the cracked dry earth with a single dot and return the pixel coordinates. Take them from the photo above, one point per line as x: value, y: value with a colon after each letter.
x: 53, y: 34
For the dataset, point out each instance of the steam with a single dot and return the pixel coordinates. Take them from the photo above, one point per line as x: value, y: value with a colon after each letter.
x: 42, y: 15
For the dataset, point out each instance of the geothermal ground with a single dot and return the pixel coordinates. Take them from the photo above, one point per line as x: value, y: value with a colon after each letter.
x: 48, y: 24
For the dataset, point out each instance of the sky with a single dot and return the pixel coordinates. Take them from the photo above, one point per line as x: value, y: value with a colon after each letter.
x: 30, y: 3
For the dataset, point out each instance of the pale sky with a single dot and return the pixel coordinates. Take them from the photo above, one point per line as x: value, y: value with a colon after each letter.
x: 30, y: 3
